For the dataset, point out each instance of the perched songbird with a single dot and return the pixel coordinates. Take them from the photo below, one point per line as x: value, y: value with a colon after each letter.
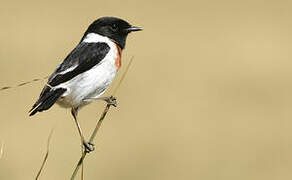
x: 88, y: 70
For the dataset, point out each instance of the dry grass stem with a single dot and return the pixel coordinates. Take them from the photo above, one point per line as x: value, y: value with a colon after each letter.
x: 24, y: 83
x: 46, y: 156
x: 123, y: 76
x: 98, y: 125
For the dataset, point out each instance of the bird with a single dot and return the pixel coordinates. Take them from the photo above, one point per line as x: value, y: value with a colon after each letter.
x: 87, y: 71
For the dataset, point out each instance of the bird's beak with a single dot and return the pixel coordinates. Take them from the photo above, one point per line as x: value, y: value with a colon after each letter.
x: 133, y: 28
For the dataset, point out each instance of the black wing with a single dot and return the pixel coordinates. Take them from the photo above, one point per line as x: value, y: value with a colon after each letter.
x: 82, y: 58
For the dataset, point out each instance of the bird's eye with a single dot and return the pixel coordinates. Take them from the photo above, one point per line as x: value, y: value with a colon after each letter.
x: 114, y: 27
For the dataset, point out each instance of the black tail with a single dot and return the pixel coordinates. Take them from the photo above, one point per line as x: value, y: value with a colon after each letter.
x: 46, y: 100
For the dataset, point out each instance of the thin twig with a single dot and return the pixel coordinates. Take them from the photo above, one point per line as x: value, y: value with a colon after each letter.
x: 97, y: 127
x: 46, y: 156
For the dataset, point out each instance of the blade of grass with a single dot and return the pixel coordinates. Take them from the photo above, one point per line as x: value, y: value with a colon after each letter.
x: 46, y: 156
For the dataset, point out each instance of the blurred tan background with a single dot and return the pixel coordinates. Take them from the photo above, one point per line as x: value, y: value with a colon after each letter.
x: 207, y: 97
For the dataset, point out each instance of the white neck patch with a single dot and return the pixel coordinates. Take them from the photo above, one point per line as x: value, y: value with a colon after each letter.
x: 93, y: 38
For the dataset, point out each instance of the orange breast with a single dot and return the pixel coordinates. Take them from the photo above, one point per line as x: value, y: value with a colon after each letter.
x: 118, y: 59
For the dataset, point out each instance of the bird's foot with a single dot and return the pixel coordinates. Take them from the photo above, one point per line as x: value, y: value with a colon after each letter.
x: 111, y: 100
x: 88, y: 146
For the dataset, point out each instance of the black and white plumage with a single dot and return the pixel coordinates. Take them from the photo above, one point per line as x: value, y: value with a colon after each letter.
x: 89, y: 69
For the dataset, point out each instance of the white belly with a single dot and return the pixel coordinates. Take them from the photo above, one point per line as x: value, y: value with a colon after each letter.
x: 90, y: 84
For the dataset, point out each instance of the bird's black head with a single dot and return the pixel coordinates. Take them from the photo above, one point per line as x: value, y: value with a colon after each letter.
x: 114, y: 28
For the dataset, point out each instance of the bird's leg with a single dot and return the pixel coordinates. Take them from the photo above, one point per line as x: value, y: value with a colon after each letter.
x: 88, y: 146
x: 111, y: 100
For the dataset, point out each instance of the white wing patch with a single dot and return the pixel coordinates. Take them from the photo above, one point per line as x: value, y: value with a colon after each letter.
x: 68, y: 70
